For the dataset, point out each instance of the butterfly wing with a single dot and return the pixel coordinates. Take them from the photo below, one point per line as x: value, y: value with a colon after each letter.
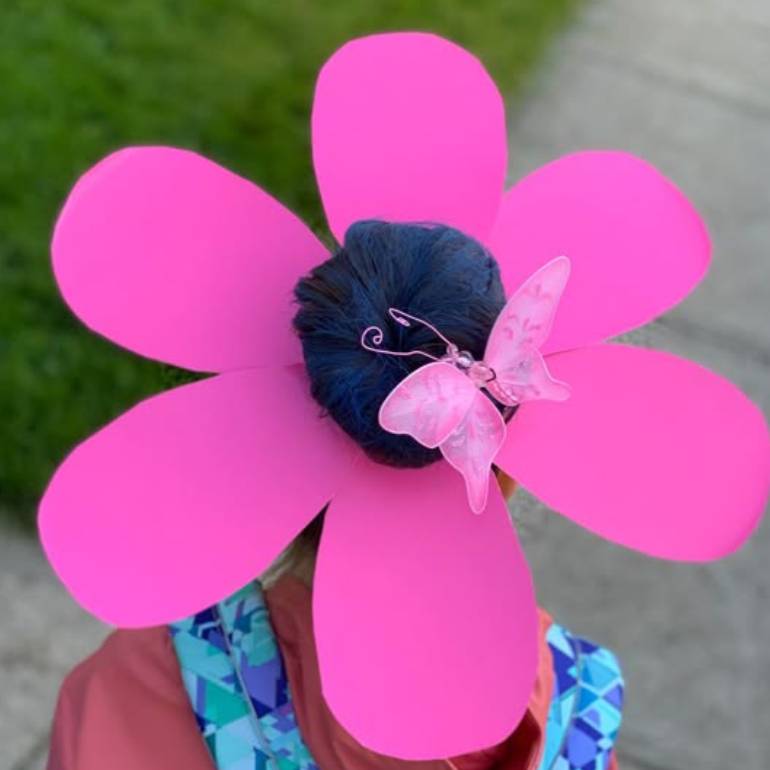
x: 429, y: 404
x: 473, y: 445
x: 520, y: 330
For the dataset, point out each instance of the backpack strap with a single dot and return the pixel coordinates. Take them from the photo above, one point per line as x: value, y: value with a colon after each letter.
x: 235, y: 679
x: 234, y: 676
x: 586, y: 705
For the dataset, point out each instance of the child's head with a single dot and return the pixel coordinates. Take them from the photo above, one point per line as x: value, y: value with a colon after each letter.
x: 434, y: 272
x: 431, y: 271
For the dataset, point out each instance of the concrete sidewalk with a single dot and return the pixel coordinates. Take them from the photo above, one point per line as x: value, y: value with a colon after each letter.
x: 685, y: 84
x: 42, y: 635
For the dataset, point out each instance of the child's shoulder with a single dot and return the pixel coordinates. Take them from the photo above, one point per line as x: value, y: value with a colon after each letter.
x: 126, y: 702
x: 128, y: 652
x: 130, y: 664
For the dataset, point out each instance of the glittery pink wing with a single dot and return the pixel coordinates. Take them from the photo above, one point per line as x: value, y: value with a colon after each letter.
x: 428, y: 404
x: 521, y: 329
x: 472, y: 447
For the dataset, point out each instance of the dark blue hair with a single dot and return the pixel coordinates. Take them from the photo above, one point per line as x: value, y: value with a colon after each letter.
x: 431, y: 271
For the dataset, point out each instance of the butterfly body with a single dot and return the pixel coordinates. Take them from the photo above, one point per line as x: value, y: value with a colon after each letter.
x: 449, y: 404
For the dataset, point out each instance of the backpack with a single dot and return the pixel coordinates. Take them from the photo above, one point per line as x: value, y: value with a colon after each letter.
x: 234, y: 676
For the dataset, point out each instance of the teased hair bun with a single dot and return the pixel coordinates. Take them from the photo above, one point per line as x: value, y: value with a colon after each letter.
x: 431, y: 271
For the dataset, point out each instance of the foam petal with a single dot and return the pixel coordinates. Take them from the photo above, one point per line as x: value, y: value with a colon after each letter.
x: 189, y: 495
x: 650, y: 451
x: 175, y: 258
x: 424, y: 614
x: 636, y: 245
x: 408, y: 127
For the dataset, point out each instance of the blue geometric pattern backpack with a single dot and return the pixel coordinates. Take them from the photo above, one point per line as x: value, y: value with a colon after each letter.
x: 236, y: 682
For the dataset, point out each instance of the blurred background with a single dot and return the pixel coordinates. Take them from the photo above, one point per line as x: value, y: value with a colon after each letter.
x: 684, y: 83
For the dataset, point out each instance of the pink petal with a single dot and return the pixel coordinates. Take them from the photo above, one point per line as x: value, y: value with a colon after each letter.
x: 171, y: 256
x: 650, y: 451
x: 425, y: 618
x: 408, y: 127
x: 636, y: 244
x: 190, y: 495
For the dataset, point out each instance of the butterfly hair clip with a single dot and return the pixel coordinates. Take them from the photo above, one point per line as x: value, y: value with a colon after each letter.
x: 449, y: 403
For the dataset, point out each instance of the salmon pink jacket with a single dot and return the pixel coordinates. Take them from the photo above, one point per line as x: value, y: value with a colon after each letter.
x: 126, y: 706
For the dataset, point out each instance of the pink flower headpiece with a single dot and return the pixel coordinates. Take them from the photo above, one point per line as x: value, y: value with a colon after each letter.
x: 423, y: 612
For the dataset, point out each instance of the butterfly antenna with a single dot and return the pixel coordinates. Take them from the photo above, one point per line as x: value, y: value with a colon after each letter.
x: 374, y: 333
x: 372, y: 336
x: 400, y: 317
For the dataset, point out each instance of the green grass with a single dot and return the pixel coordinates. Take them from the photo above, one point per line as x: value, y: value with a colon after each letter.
x: 232, y: 79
